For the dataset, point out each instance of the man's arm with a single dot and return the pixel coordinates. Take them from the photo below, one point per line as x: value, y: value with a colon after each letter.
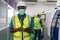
x: 41, y: 23
x: 12, y: 30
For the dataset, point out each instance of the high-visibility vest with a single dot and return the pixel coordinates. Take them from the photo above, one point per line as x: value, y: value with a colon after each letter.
x: 37, y: 24
x: 17, y: 24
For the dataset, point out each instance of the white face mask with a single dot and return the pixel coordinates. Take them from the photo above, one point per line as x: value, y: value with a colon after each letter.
x: 21, y: 11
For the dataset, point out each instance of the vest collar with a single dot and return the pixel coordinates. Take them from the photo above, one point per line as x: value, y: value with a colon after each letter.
x: 21, y: 16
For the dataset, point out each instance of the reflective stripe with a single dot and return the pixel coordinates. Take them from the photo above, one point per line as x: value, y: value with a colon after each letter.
x: 21, y: 36
x: 18, y: 36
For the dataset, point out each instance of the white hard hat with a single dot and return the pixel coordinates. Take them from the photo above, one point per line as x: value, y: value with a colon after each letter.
x: 21, y: 4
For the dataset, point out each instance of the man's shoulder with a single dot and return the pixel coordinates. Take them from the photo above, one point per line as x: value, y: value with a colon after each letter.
x: 14, y: 16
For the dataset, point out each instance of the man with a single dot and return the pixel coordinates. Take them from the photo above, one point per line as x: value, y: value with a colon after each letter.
x: 19, y: 25
x: 31, y: 26
x: 37, y: 23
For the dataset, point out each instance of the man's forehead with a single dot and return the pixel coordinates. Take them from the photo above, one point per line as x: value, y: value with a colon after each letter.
x: 21, y: 7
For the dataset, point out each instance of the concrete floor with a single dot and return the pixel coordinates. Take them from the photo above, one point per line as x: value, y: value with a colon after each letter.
x: 5, y: 34
x: 46, y: 37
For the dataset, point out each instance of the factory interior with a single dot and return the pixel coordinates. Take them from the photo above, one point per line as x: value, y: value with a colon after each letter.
x: 49, y: 11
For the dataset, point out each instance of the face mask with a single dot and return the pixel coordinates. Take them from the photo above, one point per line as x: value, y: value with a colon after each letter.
x: 21, y: 11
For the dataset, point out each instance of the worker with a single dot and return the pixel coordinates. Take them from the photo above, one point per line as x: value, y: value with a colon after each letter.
x: 31, y: 26
x: 20, y: 23
x: 37, y: 27
x: 32, y: 22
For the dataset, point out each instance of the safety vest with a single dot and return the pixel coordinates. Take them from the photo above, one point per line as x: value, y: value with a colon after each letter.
x: 37, y: 25
x: 17, y: 24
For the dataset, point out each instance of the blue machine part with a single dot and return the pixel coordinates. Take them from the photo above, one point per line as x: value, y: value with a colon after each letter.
x: 55, y: 29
